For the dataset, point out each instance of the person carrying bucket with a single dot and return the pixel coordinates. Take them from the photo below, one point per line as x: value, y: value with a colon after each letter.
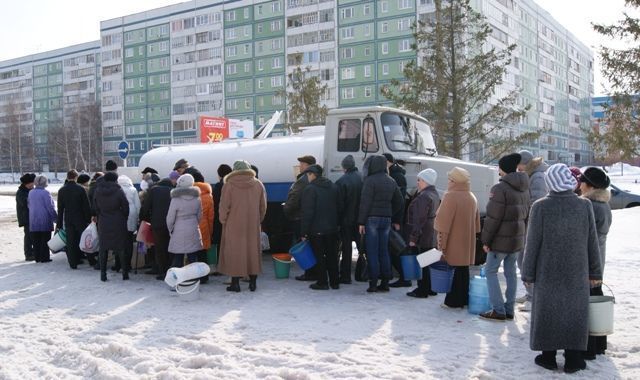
x: 503, y: 235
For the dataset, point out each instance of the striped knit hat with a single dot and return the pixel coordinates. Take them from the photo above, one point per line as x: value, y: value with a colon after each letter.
x: 559, y: 178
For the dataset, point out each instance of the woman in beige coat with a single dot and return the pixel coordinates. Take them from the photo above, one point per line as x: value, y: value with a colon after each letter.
x: 457, y: 223
x: 243, y: 205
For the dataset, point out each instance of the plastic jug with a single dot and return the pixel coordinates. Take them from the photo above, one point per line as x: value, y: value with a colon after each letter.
x: 479, y: 294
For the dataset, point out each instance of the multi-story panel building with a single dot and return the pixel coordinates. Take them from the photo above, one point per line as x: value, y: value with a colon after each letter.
x: 40, y: 93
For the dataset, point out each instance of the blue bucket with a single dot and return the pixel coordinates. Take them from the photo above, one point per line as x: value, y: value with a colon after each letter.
x: 303, y: 254
x: 478, y: 295
x: 441, y: 277
x: 410, y: 267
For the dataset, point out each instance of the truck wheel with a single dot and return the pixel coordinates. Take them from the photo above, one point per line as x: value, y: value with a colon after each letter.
x: 634, y: 204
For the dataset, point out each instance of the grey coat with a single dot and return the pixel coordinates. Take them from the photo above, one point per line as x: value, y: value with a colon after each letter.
x: 561, y: 255
x: 602, y: 212
x: 183, y: 220
x: 537, y: 186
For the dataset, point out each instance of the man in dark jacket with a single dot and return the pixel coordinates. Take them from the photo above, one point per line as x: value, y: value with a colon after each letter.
x: 349, y: 189
x: 22, y: 211
x: 503, y: 234
x: 398, y: 173
x: 109, y: 166
x: 381, y: 205
x: 320, y: 225
x: 75, y: 212
x: 292, y: 207
x: 154, y: 211
x: 223, y: 170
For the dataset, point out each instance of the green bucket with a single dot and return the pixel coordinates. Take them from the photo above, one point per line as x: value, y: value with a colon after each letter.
x: 212, y: 255
x: 281, y: 264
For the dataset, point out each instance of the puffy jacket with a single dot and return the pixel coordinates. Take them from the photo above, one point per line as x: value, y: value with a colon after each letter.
x: 319, y: 207
x: 537, y: 186
x: 42, y: 213
x: 380, y: 194
x: 22, y: 207
x: 420, y: 218
x: 291, y: 206
x: 183, y: 219
x: 349, y: 190
x: 133, y: 199
x: 504, y: 226
x: 73, y: 206
x: 602, y: 212
x: 206, y: 222
x: 398, y: 173
x: 156, y: 204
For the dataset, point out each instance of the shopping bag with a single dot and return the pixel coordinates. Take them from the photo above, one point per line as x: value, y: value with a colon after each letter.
x: 429, y: 257
x: 89, y: 241
x: 362, y: 271
x: 145, y: 234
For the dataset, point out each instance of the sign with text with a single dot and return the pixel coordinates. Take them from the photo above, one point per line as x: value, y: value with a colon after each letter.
x: 241, y: 129
x: 213, y: 129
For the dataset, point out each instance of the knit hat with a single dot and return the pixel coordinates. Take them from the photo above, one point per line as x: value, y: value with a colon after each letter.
x: 111, y: 166
x: 27, y: 178
x: 174, y: 175
x: 596, y: 178
x: 509, y: 163
x: 223, y: 170
x: 429, y: 176
x: 241, y: 165
x: 558, y: 178
x: 459, y: 175
x: 149, y: 170
x: 185, y: 180
x: 307, y: 160
x: 41, y: 181
x: 315, y: 169
x: 389, y: 157
x: 83, y: 178
x: 525, y: 156
x: 348, y: 162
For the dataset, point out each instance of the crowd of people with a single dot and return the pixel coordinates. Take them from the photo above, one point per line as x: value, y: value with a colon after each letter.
x: 550, y: 221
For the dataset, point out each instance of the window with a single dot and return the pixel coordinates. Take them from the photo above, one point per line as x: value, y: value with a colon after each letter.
x: 384, y: 7
x: 348, y: 135
x: 275, y: 7
x: 232, y: 51
x: 347, y: 53
x: 277, y: 63
x: 385, y: 69
x: 367, y: 30
x: 384, y: 27
x: 346, y: 13
x: 367, y: 92
x: 348, y: 73
x: 260, y: 65
x: 347, y: 93
x: 366, y: 9
x: 347, y: 33
x: 367, y: 51
x: 369, y: 138
x: 232, y: 69
x: 276, y: 81
x: 276, y: 25
x: 260, y: 83
x: 405, y: 45
x: 385, y: 48
x: 367, y: 71
x: 404, y: 24
x: 404, y: 4
x: 276, y: 44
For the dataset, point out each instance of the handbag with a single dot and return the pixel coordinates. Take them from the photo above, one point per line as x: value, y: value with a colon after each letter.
x: 362, y: 266
x: 397, y: 244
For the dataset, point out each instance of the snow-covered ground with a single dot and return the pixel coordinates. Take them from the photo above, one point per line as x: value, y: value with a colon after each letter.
x: 57, y: 323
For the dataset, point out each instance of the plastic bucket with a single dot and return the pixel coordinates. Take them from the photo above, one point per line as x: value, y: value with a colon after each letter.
x: 188, y: 290
x: 192, y: 271
x: 478, y: 295
x: 410, y: 267
x: 58, y: 241
x: 601, y: 315
x: 281, y: 264
x: 441, y: 277
x: 303, y: 254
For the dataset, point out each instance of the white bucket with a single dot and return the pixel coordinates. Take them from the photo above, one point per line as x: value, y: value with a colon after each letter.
x: 177, y: 276
x: 56, y: 244
x: 429, y: 257
x: 601, y: 315
x: 188, y: 290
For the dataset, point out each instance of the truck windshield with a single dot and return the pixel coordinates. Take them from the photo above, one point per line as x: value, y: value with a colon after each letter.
x: 404, y: 134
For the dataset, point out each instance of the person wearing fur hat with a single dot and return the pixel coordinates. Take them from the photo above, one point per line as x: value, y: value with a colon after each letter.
x: 349, y: 188
x: 503, y: 235
x: 243, y: 205
x: 421, y: 214
x: 562, y: 259
x: 594, y: 185
x: 22, y: 211
x: 183, y: 221
x: 42, y: 216
x: 457, y: 223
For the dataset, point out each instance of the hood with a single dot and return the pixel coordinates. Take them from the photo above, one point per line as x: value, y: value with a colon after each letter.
x: 536, y: 165
x: 205, y: 188
x: 242, y: 178
x: 322, y: 182
x: 598, y: 195
x: 378, y: 164
x: 517, y: 180
x: 107, y: 188
x: 125, y: 181
x: 395, y: 168
x: 185, y: 192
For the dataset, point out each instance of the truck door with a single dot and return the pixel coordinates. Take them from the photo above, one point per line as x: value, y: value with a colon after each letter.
x: 356, y: 137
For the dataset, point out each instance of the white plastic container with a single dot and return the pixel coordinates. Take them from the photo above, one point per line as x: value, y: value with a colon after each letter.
x: 192, y: 271
x: 188, y: 290
x: 601, y: 315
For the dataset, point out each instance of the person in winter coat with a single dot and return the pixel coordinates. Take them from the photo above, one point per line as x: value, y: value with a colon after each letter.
x: 562, y: 259
x: 320, y: 226
x: 183, y: 219
x: 42, y: 215
x: 112, y: 211
x: 223, y: 170
x: 457, y: 223
x: 149, y: 179
x: 206, y: 222
x: 243, y: 206
x: 381, y: 205
x: 93, y: 184
x: 594, y: 185
x: 292, y: 208
x: 503, y: 235
x: 154, y: 211
x: 133, y: 199
x: 421, y: 215
x: 74, y: 213
x: 349, y: 189
x: 22, y: 211
x: 83, y: 180
x: 398, y: 173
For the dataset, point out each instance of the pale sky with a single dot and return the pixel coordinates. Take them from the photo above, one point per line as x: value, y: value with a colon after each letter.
x: 32, y: 26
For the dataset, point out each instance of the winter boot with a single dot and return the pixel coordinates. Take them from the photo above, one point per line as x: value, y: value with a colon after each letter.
x: 103, y: 255
x: 235, y: 285
x: 373, y: 286
x: 384, y: 285
x: 573, y: 361
x: 547, y: 360
x: 252, y: 282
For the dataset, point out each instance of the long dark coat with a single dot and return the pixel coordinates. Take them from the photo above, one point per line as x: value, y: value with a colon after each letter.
x: 73, y: 206
x: 561, y: 255
x: 112, y: 209
x: 421, y: 215
x: 22, y: 207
